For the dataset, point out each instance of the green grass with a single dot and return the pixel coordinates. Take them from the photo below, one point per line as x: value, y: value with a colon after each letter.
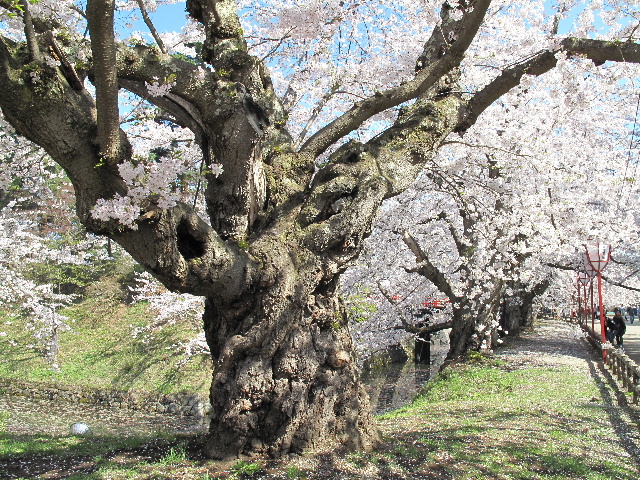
x: 244, y: 469
x: 102, y: 352
x: 36, y: 445
x: 482, y: 420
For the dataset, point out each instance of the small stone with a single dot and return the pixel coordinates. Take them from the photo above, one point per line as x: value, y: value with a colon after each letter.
x: 81, y: 429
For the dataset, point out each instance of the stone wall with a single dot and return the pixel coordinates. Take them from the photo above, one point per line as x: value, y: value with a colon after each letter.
x: 174, y: 404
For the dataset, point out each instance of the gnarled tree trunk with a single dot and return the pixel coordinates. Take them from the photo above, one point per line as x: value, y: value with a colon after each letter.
x: 286, y: 378
x: 475, y: 321
x: 519, y: 308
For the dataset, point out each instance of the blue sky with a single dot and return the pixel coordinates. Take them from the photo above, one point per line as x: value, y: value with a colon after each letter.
x: 172, y: 17
x: 165, y: 18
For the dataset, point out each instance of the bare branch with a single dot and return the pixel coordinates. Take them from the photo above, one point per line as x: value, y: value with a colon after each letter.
x: 486, y: 147
x: 461, y: 246
x: 316, y: 112
x: 78, y: 10
x: 277, y: 46
x: 150, y: 26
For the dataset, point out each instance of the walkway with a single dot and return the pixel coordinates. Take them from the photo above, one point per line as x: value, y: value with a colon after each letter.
x: 632, y: 341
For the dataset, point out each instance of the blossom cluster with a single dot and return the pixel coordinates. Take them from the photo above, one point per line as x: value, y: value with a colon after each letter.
x: 158, y: 89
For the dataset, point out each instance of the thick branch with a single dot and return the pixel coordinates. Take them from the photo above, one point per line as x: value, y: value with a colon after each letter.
x: 428, y: 269
x: 40, y: 25
x: 436, y: 327
x: 222, y: 28
x: 184, y: 112
x: 65, y: 65
x: 619, y: 284
x: 461, y: 245
x: 425, y: 79
x: 103, y: 47
x: 30, y: 33
x: 410, y: 327
x: 414, y: 247
x: 598, y: 51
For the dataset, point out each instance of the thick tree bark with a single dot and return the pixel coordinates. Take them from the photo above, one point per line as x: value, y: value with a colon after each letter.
x: 290, y: 387
x: 519, y: 308
x: 100, y: 15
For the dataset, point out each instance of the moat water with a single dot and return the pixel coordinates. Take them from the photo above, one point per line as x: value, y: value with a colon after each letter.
x: 392, y: 387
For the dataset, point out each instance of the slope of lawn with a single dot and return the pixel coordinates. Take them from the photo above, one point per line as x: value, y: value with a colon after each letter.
x: 483, y: 419
x: 111, y: 345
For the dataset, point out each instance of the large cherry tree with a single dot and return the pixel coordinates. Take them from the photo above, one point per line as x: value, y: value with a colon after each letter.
x: 286, y: 210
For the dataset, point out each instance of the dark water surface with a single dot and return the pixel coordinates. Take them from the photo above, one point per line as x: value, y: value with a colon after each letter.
x: 397, y: 385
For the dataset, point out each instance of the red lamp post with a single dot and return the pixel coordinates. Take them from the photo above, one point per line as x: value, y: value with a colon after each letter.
x: 583, y: 280
x: 598, y: 256
x: 591, y: 273
x: 579, y: 311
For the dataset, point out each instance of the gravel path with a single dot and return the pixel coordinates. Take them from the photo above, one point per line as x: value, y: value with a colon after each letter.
x: 554, y: 342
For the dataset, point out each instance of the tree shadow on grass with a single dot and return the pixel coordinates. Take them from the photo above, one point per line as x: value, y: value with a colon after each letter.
x: 86, y: 458
x: 616, y: 404
x: 424, y: 453
x: 506, y: 444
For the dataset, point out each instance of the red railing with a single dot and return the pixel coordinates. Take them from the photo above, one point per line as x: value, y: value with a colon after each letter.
x: 436, y: 303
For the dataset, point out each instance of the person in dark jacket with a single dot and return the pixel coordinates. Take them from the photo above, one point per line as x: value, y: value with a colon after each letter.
x: 612, y: 327
x: 632, y: 312
x: 621, y: 327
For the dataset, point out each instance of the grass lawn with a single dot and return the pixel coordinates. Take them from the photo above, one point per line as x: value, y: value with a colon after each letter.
x: 102, y: 350
x: 481, y: 419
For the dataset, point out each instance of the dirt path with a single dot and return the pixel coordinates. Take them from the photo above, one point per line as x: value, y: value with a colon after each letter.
x: 632, y: 341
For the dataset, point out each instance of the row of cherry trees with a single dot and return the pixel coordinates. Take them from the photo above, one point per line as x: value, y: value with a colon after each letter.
x: 263, y: 142
x: 499, y: 220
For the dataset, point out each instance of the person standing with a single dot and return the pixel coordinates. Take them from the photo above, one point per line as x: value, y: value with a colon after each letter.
x: 631, y: 314
x: 612, y: 327
x: 620, y: 327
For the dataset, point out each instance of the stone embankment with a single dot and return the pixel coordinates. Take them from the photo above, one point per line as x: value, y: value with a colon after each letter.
x: 185, y: 404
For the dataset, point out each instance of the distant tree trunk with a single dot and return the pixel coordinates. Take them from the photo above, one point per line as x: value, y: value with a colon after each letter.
x: 474, y: 322
x: 518, y: 311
